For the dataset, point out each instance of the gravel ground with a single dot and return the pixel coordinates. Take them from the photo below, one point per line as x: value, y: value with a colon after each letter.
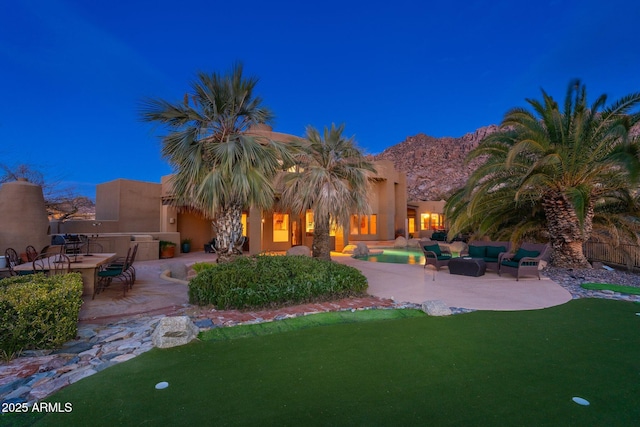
x: 571, y: 279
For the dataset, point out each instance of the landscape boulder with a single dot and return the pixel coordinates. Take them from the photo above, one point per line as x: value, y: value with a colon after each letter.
x: 436, y: 308
x: 299, y: 250
x: 361, y: 249
x: 173, y: 331
x: 349, y: 249
x: 400, y: 242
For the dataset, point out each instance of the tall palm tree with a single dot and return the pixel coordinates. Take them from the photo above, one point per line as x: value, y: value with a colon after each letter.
x: 557, y: 169
x: 332, y: 178
x: 220, y: 169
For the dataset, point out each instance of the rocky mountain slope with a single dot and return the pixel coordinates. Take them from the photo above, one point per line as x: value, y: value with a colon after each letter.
x: 434, y: 166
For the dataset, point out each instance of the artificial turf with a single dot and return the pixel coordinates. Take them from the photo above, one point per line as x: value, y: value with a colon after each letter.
x: 480, y: 368
x: 631, y: 290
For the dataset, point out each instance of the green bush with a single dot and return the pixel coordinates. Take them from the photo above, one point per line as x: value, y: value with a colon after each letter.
x: 38, y: 312
x: 199, y: 267
x: 268, y: 281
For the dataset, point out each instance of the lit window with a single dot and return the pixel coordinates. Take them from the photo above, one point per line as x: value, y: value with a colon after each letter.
x: 373, y: 224
x: 280, y: 227
x: 364, y: 225
x: 412, y: 225
x: 354, y: 224
x: 424, y: 220
x: 309, y: 222
x: 244, y: 224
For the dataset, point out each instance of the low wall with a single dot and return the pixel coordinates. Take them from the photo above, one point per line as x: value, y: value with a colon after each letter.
x: 148, y: 243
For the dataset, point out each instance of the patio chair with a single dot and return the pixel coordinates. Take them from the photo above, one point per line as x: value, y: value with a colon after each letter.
x: 525, y: 261
x: 116, y: 270
x: 210, y: 247
x: 31, y: 253
x: 52, y: 264
x: 13, y: 260
x: 435, y: 255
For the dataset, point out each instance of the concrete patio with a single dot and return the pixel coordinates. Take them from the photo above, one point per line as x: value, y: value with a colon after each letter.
x: 153, y: 294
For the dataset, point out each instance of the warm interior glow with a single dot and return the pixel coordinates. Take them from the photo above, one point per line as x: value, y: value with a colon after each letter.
x: 280, y: 227
x: 308, y: 220
x: 244, y: 224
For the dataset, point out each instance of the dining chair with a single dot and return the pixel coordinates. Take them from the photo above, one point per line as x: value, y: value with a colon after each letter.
x: 13, y: 260
x: 52, y: 264
x: 31, y: 253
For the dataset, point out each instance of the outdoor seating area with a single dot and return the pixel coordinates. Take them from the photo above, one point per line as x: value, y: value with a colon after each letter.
x: 480, y: 256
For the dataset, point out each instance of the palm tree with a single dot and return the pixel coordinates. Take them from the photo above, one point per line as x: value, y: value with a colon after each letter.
x: 555, y: 174
x: 332, y: 178
x: 220, y: 169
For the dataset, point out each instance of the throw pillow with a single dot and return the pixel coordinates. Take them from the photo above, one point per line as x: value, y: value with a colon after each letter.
x: 433, y: 248
x: 477, y: 251
x: 494, y: 251
x: 523, y: 253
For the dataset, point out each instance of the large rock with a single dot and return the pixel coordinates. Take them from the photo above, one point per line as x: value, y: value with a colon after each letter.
x: 173, y: 331
x: 361, y: 249
x: 349, y: 249
x: 400, y: 242
x: 436, y: 308
x: 299, y: 250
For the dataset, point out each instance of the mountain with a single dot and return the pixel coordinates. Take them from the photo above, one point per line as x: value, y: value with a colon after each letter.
x: 434, y: 166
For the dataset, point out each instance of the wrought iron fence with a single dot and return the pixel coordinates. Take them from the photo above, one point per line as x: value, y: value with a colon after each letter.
x: 623, y: 255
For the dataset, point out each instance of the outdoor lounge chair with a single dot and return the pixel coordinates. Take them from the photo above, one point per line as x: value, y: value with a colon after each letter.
x: 435, y: 255
x: 525, y: 261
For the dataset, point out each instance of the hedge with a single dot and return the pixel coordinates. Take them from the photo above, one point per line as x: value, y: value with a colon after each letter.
x: 270, y: 281
x: 38, y: 312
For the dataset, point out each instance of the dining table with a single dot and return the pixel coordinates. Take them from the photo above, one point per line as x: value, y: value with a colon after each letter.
x: 87, y: 265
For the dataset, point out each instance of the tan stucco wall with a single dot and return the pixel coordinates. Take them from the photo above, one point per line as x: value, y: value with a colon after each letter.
x: 135, y: 205
x: 23, y: 217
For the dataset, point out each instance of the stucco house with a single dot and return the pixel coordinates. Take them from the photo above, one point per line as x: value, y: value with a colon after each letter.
x: 130, y: 212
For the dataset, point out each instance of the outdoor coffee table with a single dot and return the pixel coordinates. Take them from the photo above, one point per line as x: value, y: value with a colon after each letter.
x: 467, y: 266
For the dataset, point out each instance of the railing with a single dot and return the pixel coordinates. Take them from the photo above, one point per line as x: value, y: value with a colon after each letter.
x: 623, y: 256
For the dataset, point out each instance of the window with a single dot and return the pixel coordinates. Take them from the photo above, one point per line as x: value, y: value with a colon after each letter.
x: 431, y: 221
x: 364, y: 224
x: 244, y: 224
x: 424, y: 219
x: 354, y: 224
x: 308, y: 220
x: 412, y: 225
x: 280, y: 227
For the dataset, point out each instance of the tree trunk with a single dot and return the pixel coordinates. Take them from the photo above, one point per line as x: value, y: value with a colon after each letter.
x: 229, y: 228
x: 321, y: 242
x: 567, y: 235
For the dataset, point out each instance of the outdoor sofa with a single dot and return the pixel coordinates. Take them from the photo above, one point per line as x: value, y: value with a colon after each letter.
x: 490, y: 252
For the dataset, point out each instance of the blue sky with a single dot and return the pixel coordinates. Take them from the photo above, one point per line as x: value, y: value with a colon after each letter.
x: 73, y: 72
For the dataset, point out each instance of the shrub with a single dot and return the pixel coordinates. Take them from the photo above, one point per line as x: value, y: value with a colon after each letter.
x: 267, y: 281
x: 38, y: 312
x: 199, y: 267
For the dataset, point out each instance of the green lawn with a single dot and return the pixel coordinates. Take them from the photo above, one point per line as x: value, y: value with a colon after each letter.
x: 481, y: 368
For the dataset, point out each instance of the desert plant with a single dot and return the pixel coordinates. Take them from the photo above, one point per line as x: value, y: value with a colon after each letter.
x: 551, y: 171
x: 220, y: 168
x: 332, y: 178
